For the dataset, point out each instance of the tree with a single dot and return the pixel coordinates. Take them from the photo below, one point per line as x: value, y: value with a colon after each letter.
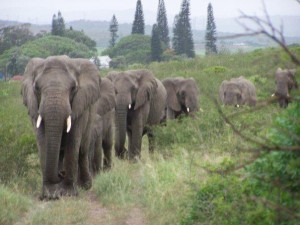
x: 162, y: 23
x: 58, y: 25
x: 11, y: 36
x: 156, y: 49
x: 182, y: 32
x: 138, y: 26
x: 210, y: 36
x: 113, y: 28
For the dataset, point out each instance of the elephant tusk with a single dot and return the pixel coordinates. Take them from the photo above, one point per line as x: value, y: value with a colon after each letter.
x: 38, y: 122
x: 188, y: 109
x: 69, y: 124
x: 129, y: 106
x: 273, y: 95
x: 238, y: 105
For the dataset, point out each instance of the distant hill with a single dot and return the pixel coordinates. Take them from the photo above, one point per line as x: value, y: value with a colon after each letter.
x: 99, y: 31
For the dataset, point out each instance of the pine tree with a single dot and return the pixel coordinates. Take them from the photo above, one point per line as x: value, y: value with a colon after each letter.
x: 183, y: 38
x: 138, y: 26
x: 54, y: 25
x: 113, y: 28
x: 156, y: 49
x: 210, y: 36
x: 162, y: 23
x: 58, y: 25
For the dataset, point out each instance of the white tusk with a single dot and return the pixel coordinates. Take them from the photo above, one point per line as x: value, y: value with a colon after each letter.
x: 38, y: 122
x: 129, y: 106
x: 69, y: 124
x: 273, y: 95
x: 188, y: 109
x: 238, y: 105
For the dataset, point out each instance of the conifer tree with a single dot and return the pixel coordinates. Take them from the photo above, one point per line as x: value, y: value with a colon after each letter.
x: 182, y: 32
x: 210, y: 36
x: 162, y: 23
x: 138, y: 26
x: 113, y: 28
x: 156, y: 48
x: 58, y: 25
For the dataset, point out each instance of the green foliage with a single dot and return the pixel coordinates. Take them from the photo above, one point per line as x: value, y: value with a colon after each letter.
x: 215, y: 69
x: 156, y: 47
x: 113, y: 28
x: 81, y: 37
x: 162, y: 24
x: 44, y: 47
x: 135, y: 48
x: 138, y: 26
x: 12, y: 206
x: 223, y: 200
x: 58, y: 25
x: 17, y: 140
x: 210, y: 36
x: 182, y: 32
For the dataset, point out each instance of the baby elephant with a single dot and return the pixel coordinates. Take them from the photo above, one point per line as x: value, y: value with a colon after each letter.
x: 182, y: 97
x: 285, y: 81
x: 102, y: 131
x: 237, y: 91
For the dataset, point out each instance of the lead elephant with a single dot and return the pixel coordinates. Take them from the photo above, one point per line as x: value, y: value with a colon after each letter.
x: 140, y: 99
x: 237, y: 91
x: 60, y: 94
x: 102, y: 134
x: 182, y: 97
x: 285, y: 81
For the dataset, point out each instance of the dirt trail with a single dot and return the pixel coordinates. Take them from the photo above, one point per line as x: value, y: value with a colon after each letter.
x: 102, y: 215
x: 97, y: 213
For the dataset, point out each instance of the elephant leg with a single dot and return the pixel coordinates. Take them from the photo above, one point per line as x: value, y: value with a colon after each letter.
x: 170, y: 114
x: 107, y: 149
x: 136, y: 137
x: 97, y: 159
x: 85, y: 179
x: 151, y: 140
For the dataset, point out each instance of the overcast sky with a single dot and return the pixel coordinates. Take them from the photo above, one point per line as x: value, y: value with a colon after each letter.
x: 41, y: 11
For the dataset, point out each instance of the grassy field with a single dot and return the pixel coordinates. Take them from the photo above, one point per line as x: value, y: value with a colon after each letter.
x: 161, y: 188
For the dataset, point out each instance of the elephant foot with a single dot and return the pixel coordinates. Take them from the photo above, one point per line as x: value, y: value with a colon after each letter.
x: 68, y: 189
x: 85, y: 183
x: 122, y: 154
x: 50, y: 192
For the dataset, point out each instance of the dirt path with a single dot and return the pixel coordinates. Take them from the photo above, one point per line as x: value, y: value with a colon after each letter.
x: 97, y: 213
x: 102, y: 215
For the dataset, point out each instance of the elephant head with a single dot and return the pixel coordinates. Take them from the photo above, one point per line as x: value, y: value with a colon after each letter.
x: 57, y: 91
x: 134, y: 89
x: 237, y: 91
x: 285, y: 81
x: 182, y: 94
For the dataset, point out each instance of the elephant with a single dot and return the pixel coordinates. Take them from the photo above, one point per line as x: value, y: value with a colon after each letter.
x: 60, y: 94
x: 182, y: 97
x: 102, y: 133
x: 285, y: 81
x: 140, y: 102
x: 237, y: 91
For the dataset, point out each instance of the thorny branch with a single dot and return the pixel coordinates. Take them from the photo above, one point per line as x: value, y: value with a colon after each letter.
x: 265, y: 27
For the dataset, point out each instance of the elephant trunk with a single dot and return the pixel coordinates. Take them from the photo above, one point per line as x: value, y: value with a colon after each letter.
x: 120, y: 136
x: 54, y: 117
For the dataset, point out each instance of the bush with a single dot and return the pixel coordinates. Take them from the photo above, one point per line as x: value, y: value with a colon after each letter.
x: 134, y: 48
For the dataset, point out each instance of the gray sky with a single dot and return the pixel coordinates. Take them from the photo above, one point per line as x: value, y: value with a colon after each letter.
x: 41, y: 11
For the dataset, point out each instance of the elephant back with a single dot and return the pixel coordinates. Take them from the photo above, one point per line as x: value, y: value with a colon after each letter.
x: 157, y: 104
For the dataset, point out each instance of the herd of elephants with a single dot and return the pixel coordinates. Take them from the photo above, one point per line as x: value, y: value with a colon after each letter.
x: 74, y: 112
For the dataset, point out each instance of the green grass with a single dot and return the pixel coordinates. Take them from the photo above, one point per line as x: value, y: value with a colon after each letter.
x: 164, y: 186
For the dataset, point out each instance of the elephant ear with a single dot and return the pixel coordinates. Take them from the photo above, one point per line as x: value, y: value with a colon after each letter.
x: 34, y: 66
x: 107, y: 101
x: 147, y: 86
x: 88, y: 90
x: 171, y: 88
x: 292, y: 83
x: 112, y: 76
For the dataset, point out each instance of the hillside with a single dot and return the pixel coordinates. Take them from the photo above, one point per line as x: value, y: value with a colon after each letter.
x: 190, y: 178
x: 99, y: 31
